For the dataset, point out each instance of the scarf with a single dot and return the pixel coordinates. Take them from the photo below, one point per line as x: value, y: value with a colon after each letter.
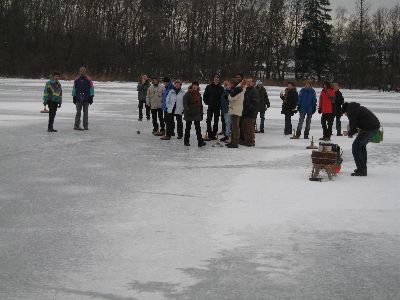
x: 196, y: 97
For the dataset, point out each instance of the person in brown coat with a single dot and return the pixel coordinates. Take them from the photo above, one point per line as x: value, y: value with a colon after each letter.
x: 193, y: 113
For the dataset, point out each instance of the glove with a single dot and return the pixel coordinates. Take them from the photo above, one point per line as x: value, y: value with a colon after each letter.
x: 319, y: 110
x: 314, y: 109
x: 91, y: 100
x: 59, y: 105
x: 74, y: 100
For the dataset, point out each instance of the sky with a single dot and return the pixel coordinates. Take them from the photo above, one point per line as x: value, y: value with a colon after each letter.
x: 349, y: 4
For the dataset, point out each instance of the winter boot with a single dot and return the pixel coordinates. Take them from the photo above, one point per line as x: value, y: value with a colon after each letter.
x: 359, y: 173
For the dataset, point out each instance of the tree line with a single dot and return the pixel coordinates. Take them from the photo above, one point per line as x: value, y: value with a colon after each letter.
x: 191, y: 39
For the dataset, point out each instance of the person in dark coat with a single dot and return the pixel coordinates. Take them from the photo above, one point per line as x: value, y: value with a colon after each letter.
x: 250, y: 111
x: 290, y: 99
x: 363, y: 121
x: 212, y: 98
x: 142, y: 88
x: 338, y: 102
x: 193, y: 113
x: 307, y: 106
x: 82, y: 94
x: 263, y: 104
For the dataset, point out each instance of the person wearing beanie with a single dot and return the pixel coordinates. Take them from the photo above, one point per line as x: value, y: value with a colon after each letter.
x: 327, y: 107
x: 366, y: 124
x: 263, y: 104
x: 174, y: 104
x: 193, y: 113
x: 154, y: 101
x: 142, y: 88
x: 52, y: 97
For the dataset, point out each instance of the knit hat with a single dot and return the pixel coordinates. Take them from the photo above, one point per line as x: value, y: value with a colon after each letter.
x: 259, y: 82
x: 345, y: 107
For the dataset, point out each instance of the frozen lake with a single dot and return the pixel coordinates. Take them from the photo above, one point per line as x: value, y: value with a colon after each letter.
x: 109, y: 214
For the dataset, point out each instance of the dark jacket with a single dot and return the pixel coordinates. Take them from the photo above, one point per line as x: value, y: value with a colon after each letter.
x: 142, y: 89
x: 83, y: 90
x: 250, y: 103
x: 339, y: 102
x: 307, y: 103
x: 362, y: 118
x: 225, y: 101
x: 263, y: 102
x: 212, y: 96
x: 193, y: 107
x: 290, y: 99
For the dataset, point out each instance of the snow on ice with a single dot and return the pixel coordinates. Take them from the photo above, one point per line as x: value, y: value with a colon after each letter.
x: 110, y: 214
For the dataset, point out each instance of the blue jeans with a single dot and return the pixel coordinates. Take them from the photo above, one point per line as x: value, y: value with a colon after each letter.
x: 301, y: 122
x: 228, y: 121
x: 360, y: 148
x: 262, y: 118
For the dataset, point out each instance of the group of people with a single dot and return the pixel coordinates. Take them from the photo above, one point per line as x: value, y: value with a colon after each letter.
x: 237, y: 102
x: 305, y: 102
x: 82, y: 95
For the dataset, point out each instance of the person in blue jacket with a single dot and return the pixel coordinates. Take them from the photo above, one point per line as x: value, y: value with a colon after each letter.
x: 307, y: 106
x: 225, y: 111
x: 167, y: 82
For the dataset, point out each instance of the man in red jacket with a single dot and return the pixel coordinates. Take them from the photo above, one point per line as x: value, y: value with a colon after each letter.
x: 327, y: 108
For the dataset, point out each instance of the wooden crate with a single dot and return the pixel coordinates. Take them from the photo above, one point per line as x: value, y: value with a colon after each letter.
x: 324, y: 158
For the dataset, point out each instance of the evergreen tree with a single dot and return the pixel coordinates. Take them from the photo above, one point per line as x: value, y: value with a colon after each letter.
x: 314, y: 53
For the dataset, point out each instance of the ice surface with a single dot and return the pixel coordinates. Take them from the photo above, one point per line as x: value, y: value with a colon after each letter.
x: 110, y: 214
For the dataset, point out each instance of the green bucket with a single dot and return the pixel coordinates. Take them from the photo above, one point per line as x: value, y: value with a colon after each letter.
x: 378, y: 137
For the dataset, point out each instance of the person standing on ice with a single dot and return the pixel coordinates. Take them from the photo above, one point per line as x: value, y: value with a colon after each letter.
x: 307, y: 106
x: 154, y: 101
x: 236, y: 98
x: 142, y: 88
x: 289, y: 104
x: 249, y: 113
x: 327, y: 107
x: 263, y: 104
x: 212, y: 98
x: 338, y: 102
x: 82, y: 93
x: 193, y: 113
x: 168, y: 86
x: 363, y: 121
x: 174, y: 104
x: 225, y: 111
x: 52, y: 97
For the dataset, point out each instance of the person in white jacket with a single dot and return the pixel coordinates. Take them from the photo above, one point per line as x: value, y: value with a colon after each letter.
x: 154, y: 101
x: 235, y: 110
x: 174, y: 103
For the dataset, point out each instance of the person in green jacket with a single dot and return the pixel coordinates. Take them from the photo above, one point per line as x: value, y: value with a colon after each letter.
x: 52, y: 97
